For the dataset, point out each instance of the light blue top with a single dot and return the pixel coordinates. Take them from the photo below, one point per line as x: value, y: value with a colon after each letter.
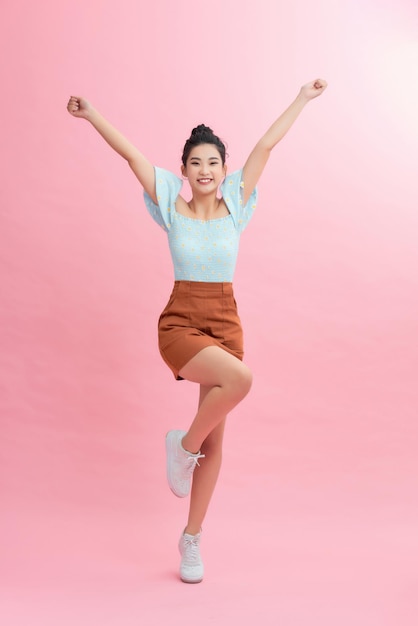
x: 204, y: 251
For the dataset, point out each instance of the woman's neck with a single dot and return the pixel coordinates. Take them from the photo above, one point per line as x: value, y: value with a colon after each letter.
x: 205, y: 208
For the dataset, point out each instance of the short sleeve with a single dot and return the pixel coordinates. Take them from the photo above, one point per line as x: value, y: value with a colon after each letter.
x: 168, y: 187
x: 231, y: 190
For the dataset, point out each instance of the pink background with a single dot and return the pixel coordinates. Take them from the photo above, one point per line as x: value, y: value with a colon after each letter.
x: 315, y: 517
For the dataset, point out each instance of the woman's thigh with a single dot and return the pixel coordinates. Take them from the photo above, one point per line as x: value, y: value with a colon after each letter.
x: 213, y: 366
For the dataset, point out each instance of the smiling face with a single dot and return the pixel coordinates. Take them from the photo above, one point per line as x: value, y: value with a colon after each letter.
x: 204, y: 168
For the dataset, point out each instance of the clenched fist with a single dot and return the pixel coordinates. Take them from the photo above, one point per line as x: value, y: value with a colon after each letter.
x: 314, y: 89
x: 79, y: 107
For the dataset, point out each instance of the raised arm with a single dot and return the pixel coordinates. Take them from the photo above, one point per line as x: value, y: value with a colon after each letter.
x: 141, y: 167
x: 258, y: 158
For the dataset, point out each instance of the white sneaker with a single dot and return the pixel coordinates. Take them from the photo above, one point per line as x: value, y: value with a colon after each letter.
x: 180, y: 463
x: 191, y: 566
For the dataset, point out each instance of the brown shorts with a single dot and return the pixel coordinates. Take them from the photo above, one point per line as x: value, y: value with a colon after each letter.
x: 198, y: 315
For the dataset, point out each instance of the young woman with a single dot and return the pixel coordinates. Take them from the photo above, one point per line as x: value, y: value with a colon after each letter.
x: 199, y: 331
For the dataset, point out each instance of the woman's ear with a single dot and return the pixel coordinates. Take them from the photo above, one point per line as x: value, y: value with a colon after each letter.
x: 183, y: 171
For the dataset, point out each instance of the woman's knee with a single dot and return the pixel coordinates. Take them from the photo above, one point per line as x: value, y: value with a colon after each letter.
x: 247, y: 378
x: 241, y: 380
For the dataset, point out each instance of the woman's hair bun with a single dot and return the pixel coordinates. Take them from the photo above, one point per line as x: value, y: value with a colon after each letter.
x: 202, y: 129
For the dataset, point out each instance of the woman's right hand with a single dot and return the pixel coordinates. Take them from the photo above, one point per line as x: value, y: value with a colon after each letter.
x: 141, y: 167
x: 79, y: 107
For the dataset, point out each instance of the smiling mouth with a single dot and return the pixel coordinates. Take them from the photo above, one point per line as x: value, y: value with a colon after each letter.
x: 204, y: 180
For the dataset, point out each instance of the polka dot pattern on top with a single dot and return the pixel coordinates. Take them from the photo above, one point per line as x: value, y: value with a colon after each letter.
x: 201, y: 250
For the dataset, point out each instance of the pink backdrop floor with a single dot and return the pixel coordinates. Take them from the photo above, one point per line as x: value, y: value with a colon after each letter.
x: 313, y: 523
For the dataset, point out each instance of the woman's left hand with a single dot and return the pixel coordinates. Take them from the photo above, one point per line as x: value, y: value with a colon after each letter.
x: 314, y: 89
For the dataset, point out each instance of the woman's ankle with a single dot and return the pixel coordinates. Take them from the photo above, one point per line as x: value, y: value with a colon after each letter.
x: 187, y: 448
x: 192, y: 530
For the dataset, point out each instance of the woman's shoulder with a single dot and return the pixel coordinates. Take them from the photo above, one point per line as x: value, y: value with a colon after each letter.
x: 232, y: 193
x: 167, y: 186
x: 166, y: 177
x: 231, y: 186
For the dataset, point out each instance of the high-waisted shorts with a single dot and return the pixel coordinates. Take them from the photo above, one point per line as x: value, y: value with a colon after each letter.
x: 198, y: 315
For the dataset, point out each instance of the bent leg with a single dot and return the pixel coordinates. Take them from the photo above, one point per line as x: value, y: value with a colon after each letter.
x: 226, y: 381
x: 206, y: 475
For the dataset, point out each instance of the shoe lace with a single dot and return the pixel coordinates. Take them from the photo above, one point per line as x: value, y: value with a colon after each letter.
x: 192, y: 461
x: 191, y: 549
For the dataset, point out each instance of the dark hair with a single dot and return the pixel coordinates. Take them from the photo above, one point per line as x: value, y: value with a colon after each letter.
x: 203, y: 134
